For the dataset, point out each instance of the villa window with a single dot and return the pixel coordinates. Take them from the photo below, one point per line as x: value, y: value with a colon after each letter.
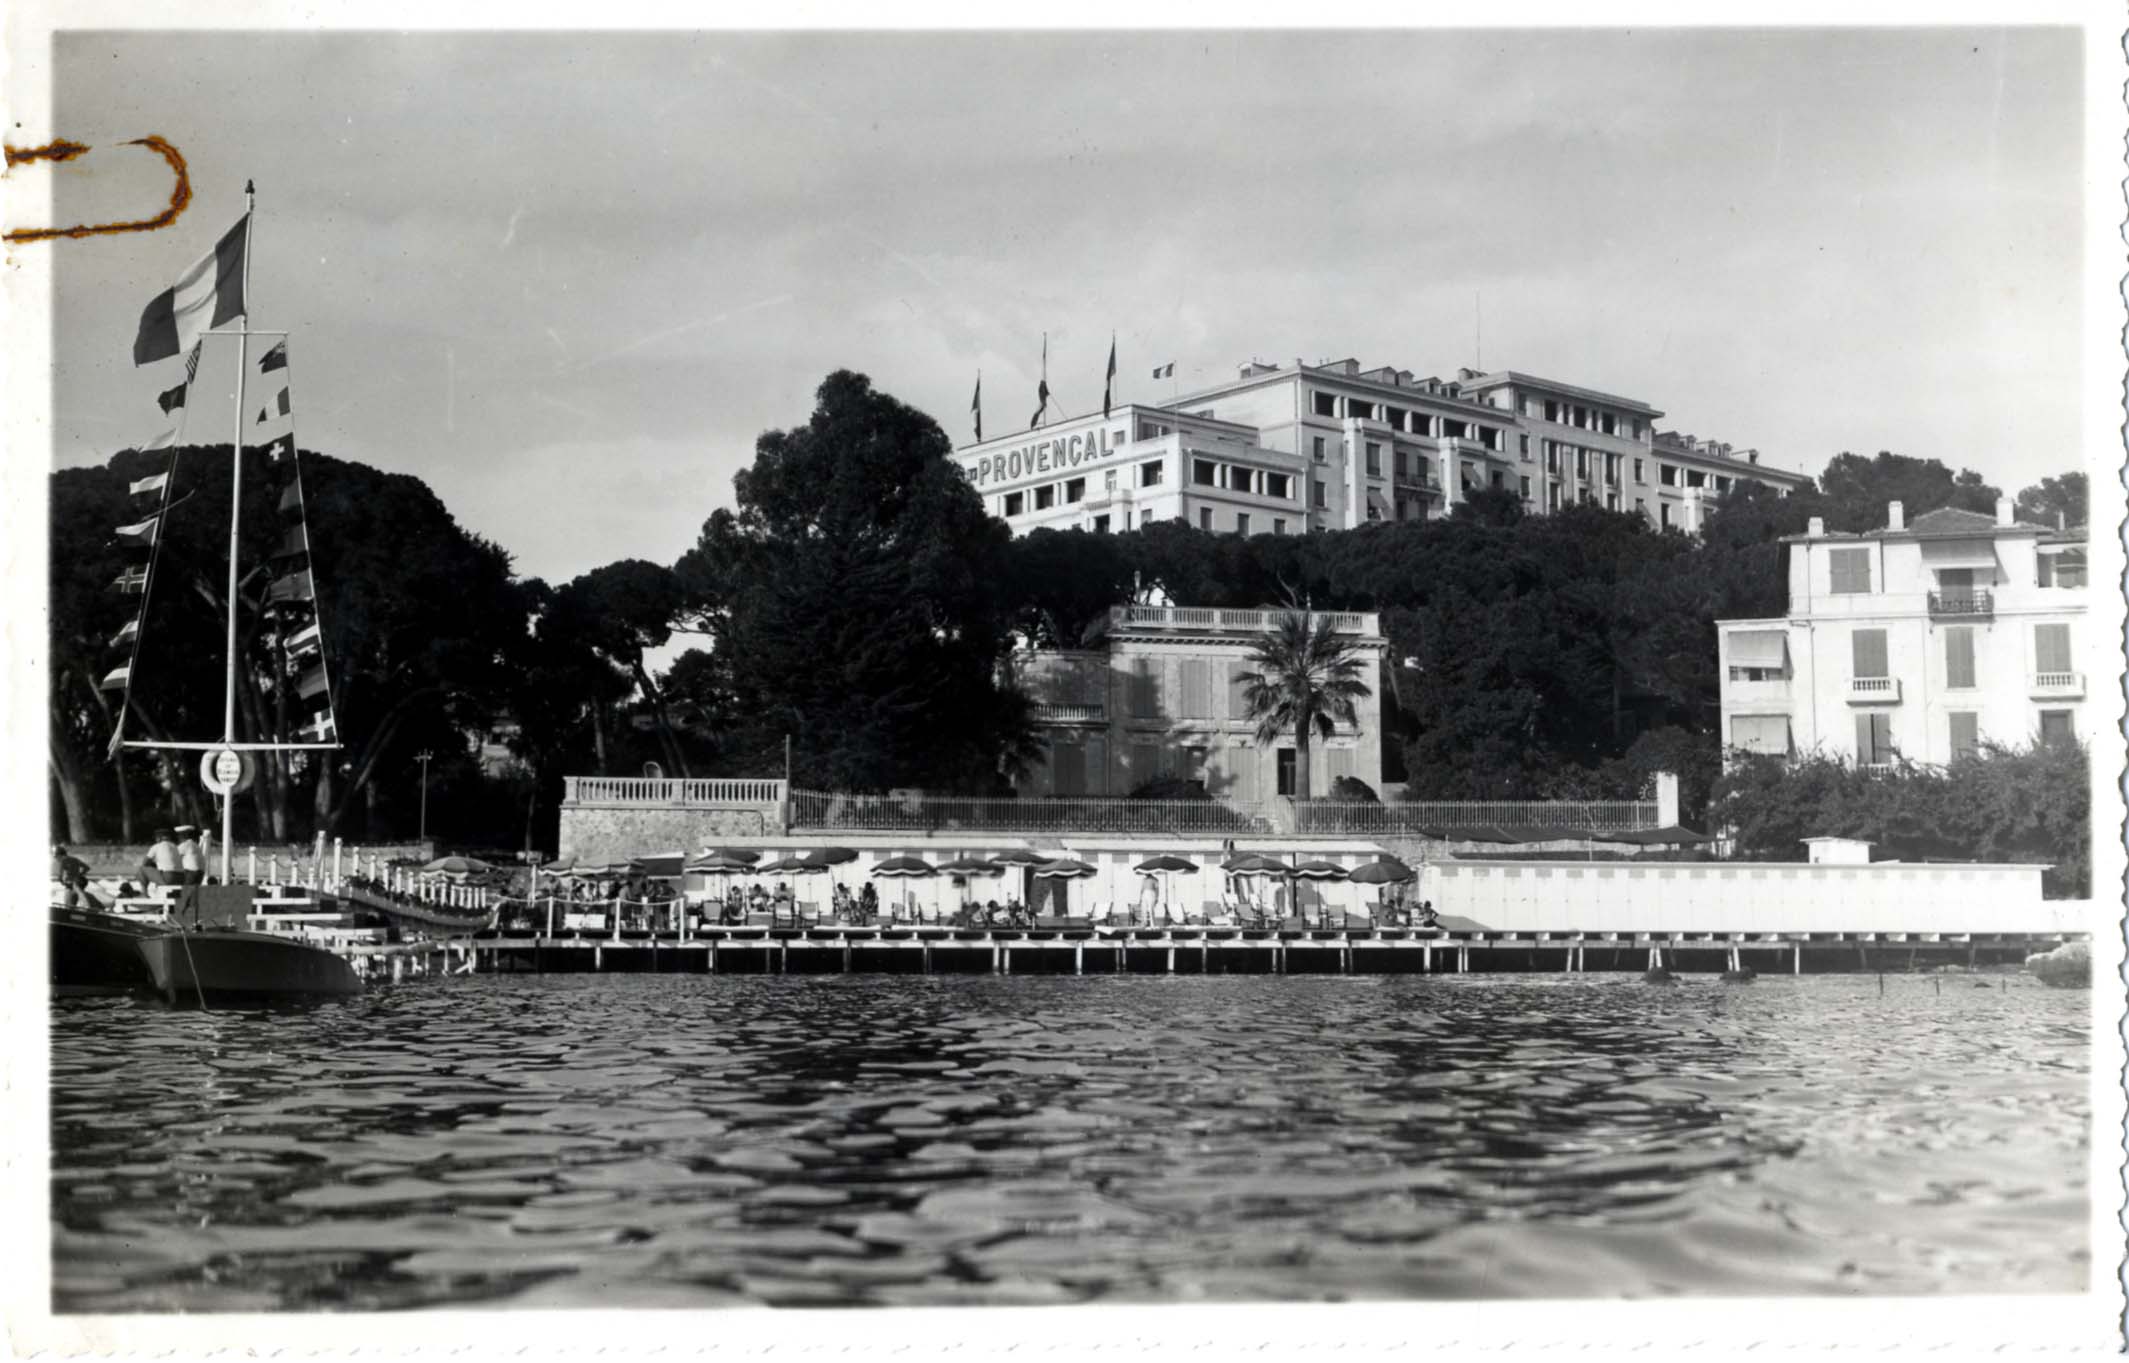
x: 1851, y: 571
x: 1959, y: 658
x: 1965, y: 733
x: 2055, y: 727
x: 1873, y: 738
x: 1760, y: 734
x: 1868, y: 654
x: 2051, y: 648
x: 2066, y: 569
x: 1286, y: 772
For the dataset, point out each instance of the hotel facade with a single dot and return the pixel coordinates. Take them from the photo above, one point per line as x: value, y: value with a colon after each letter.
x: 1288, y: 450
x: 1920, y: 640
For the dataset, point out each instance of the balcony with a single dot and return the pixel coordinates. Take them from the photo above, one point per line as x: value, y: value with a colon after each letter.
x: 1873, y: 690
x: 2058, y: 686
x: 1203, y: 618
x: 1069, y: 712
x: 1961, y: 605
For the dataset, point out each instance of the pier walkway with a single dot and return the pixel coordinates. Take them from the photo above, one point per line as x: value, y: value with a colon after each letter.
x: 910, y: 949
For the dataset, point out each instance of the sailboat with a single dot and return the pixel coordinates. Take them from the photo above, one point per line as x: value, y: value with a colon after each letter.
x: 206, y: 949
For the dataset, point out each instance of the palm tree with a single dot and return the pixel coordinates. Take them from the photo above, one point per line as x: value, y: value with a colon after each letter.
x: 1307, y: 680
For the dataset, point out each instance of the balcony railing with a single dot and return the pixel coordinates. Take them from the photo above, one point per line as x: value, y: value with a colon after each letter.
x: 2059, y: 685
x: 1421, y: 818
x: 1070, y: 712
x: 1229, y: 621
x: 1957, y: 604
x: 823, y: 810
x: 1873, y: 690
x: 651, y: 792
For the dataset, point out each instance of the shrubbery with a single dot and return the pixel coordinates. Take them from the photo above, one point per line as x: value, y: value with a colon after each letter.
x: 2030, y: 804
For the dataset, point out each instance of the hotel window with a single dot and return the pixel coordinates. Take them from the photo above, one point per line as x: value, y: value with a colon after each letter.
x: 1966, y: 733
x: 1319, y: 449
x: 1356, y: 408
x: 1204, y: 518
x: 1641, y: 506
x: 1045, y: 496
x: 1552, y: 456
x: 1633, y: 428
x: 1075, y: 490
x: 1316, y: 494
x: 2066, y: 569
x: 1581, y: 463
x: 1640, y: 476
x: 1101, y: 525
x: 1397, y: 462
x: 1150, y: 473
x: 1959, y: 658
x: 1851, y: 571
x: 1663, y: 514
x: 1278, y: 525
x: 1326, y: 404
x: 1611, y: 501
x: 1722, y: 484
x: 1695, y: 478
x: 2051, y: 648
x: 1582, y: 418
x: 1419, y: 467
x: 1015, y: 502
x: 1873, y: 738
x: 1607, y: 425
x: 1278, y: 486
x: 1108, y: 480
x: 1204, y: 473
x: 1667, y: 474
x: 1422, y: 424
x: 1242, y: 523
x: 1116, y: 437
x: 1585, y: 498
x: 1490, y: 437
x: 1522, y: 447
x: 1552, y: 496
x: 1552, y: 411
x: 1525, y: 488
x: 1395, y: 416
x: 1529, y: 407
x: 1867, y: 654
x: 1374, y: 456
x: 1454, y: 430
x: 1760, y: 734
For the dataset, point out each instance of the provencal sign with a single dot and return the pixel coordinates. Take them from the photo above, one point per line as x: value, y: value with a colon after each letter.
x: 1054, y: 455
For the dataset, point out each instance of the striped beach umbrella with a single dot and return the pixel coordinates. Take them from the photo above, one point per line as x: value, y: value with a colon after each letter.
x: 1167, y: 866
x: 1067, y: 869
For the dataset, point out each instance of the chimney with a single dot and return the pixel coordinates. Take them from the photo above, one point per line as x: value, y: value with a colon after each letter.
x: 1816, y: 528
x: 2003, y: 511
x: 1895, y: 516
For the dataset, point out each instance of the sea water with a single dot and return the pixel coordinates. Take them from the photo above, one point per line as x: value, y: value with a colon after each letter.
x: 661, y: 1140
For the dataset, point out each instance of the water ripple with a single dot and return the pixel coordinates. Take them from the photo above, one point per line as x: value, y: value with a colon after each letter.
x: 674, y: 1141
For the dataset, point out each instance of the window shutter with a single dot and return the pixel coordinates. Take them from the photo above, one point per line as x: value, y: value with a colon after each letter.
x: 1863, y: 751
x: 1341, y: 764
x: 1760, y: 733
x: 1966, y: 734
x: 1851, y: 570
x: 2051, y: 648
x: 1959, y: 658
x: 1197, y: 689
x: 1097, y: 765
x: 1144, y: 691
x: 1067, y: 769
x: 1869, y: 649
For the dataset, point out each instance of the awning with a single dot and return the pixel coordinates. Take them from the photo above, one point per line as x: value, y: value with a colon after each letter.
x: 2077, y: 549
x: 1381, y: 507
x: 1760, y: 648
x: 1959, y: 553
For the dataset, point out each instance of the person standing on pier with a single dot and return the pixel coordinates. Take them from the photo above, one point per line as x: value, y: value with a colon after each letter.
x: 190, y: 864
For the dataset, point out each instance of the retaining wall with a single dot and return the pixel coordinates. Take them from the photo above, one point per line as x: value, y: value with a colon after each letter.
x: 615, y: 833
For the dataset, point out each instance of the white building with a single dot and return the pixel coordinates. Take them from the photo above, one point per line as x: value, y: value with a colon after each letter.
x: 1918, y: 640
x: 1163, y: 699
x: 1285, y: 450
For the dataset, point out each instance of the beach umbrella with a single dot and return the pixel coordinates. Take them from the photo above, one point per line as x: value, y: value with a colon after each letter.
x: 722, y: 866
x: 560, y: 865
x: 1024, y: 860
x: 734, y: 853
x: 1166, y: 866
x: 1067, y: 869
x: 456, y: 866
x: 908, y: 868
x: 790, y: 865
x: 833, y: 856
x: 658, y: 865
x: 1384, y: 870
x: 967, y: 867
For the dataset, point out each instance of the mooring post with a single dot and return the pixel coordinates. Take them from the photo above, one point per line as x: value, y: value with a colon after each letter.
x: 1426, y: 958
x: 598, y: 957
x: 1079, y: 958
x: 1796, y: 960
x: 927, y: 958
x: 1171, y: 957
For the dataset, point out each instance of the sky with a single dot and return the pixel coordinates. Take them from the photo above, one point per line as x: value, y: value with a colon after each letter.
x: 568, y: 278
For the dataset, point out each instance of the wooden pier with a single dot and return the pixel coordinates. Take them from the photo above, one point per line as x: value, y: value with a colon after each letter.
x: 909, y: 949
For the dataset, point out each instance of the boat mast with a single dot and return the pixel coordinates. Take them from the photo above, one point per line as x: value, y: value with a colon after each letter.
x: 236, y: 507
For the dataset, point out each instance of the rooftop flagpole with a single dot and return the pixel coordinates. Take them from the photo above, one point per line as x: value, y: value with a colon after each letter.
x: 236, y: 508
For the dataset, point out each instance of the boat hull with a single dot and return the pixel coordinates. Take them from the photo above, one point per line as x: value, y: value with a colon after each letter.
x: 222, y: 966
x: 100, y: 953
